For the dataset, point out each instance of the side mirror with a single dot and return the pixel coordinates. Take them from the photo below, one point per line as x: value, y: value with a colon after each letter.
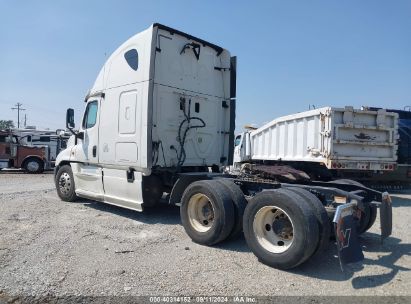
x: 70, y: 119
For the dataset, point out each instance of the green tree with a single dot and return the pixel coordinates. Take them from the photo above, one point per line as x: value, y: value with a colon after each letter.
x: 6, y: 124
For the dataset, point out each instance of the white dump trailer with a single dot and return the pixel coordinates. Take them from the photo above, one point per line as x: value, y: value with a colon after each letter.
x: 338, y: 138
x: 159, y: 122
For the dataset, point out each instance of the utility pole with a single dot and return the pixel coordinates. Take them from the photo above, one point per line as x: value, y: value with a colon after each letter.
x: 25, y: 120
x: 19, y: 108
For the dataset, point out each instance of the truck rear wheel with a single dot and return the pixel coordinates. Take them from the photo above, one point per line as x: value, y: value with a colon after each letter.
x: 369, y: 215
x: 33, y: 165
x: 239, y: 202
x: 280, y: 228
x: 324, y: 223
x: 373, y: 216
x: 207, y: 212
x: 65, y: 184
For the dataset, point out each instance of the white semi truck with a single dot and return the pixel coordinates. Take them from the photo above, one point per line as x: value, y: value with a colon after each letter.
x: 159, y: 121
x: 325, y: 143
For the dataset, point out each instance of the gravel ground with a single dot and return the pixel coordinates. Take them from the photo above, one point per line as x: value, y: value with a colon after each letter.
x: 51, y: 247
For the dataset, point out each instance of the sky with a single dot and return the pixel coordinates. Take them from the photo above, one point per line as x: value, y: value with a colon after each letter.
x: 291, y: 54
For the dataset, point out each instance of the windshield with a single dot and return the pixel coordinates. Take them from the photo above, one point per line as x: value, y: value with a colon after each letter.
x: 7, y: 139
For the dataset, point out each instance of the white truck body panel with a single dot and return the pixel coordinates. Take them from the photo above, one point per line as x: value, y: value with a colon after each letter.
x: 143, y: 106
x: 141, y: 94
x: 345, y: 137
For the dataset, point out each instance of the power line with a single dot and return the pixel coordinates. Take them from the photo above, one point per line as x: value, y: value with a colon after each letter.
x: 18, y: 105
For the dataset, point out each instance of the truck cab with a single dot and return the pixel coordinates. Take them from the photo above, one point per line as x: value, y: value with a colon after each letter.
x: 242, y: 148
x: 162, y: 104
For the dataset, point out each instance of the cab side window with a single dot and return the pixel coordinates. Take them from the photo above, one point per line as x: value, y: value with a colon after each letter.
x: 90, y: 117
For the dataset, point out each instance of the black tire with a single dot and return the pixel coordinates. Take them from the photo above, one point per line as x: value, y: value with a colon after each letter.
x: 239, y: 202
x: 324, y: 223
x: 211, y: 193
x: 65, y: 184
x: 305, y: 228
x: 33, y: 165
x: 369, y: 215
x: 367, y: 219
x: 372, y: 218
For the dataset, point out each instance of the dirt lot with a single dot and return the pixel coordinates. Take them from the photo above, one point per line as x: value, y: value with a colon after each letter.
x: 51, y: 247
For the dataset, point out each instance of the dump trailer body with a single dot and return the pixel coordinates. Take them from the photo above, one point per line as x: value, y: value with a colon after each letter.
x: 340, y: 138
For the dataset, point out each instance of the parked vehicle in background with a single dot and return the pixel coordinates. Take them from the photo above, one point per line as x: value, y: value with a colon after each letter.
x: 56, y: 141
x: 159, y: 122
x: 15, y: 155
x: 32, y: 152
x: 400, y: 178
x: 325, y: 143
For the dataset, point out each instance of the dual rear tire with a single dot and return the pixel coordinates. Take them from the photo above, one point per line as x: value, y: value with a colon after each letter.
x: 283, y: 227
x: 207, y: 212
x: 212, y: 211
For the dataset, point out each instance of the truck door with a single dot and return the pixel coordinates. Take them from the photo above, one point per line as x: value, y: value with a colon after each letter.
x: 86, y: 169
x: 239, y: 148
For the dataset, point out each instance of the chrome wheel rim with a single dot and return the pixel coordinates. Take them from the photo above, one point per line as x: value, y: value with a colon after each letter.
x: 200, y: 212
x: 33, y: 166
x: 274, y: 229
x: 65, y: 183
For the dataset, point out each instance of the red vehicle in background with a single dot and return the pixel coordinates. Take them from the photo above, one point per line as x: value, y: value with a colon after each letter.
x: 13, y: 154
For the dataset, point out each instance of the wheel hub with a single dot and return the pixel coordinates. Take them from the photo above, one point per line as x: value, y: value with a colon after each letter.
x: 282, y: 228
x: 274, y: 229
x: 65, y: 183
x: 32, y: 166
x: 200, y: 212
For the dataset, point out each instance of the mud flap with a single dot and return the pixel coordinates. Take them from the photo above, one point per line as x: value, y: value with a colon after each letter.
x: 348, y: 246
x: 386, y: 216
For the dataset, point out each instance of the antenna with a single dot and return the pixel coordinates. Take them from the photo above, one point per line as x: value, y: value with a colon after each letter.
x: 18, y: 105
